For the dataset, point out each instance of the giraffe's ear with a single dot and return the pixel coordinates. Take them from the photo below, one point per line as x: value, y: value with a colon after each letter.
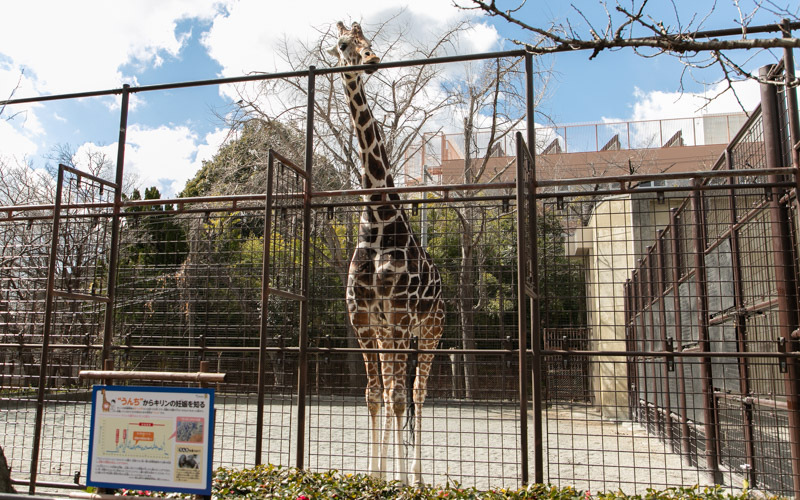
x: 332, y: 50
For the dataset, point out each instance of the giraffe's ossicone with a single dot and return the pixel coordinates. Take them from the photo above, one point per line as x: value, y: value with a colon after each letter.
x: 394, y: 290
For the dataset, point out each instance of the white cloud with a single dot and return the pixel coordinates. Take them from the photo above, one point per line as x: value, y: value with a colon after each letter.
x: 244, y: 39
x: 657, y: 104
x: 167, y: 157
x: 15, y: 144
x: 80, y: 46
x: 163, y: 157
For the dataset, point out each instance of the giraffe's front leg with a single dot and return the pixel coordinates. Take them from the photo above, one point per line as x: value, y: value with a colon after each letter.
x: 393, y: 421
x: 377, y: 466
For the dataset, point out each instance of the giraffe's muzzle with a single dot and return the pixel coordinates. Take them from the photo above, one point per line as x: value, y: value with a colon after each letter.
x: 370, y: 59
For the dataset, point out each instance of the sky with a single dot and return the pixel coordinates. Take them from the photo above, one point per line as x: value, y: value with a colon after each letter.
x: 54, y: 47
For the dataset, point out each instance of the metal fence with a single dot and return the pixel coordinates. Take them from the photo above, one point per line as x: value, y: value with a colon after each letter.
x: 611, y: 339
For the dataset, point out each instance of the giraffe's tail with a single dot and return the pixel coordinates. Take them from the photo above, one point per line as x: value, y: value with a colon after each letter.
x: 411, y: 369
x: 410, y: 407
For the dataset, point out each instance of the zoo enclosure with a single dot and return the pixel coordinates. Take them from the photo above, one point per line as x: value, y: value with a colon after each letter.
x: 170, y: 273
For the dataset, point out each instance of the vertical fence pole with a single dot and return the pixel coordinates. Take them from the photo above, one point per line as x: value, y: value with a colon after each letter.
x: 791, y: 100
x: 675, y: 250
x: 523, y: 236
x: 302, y: 361
x: 741, y: 326
x: 108, y: 333
x: 536, y: 333
x: 661, y: 282
x: 643, y: 333
x: 635, y: 335
x: 262, y: 342
x: 785, y: 276
x: 701, y: 288
x: 629, y: 365
x: 650, y: 263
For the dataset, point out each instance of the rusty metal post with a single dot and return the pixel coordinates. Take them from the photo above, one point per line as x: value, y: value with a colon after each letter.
x: 741, y: 327
x: 649, y: 261
x: 661, y: 281
x: 536, y: 333
x: 785, y: 274
x: 108, y: 333
x: 676, y: 276
x: 262, y: 343
x: 791, y: 99
x: 523, y: 236
x: 629, y: 363
x: 636, y: 304
x: 48, y: 322
x: 302, y: 359
x: 701, y: 288
x: 643, y: 333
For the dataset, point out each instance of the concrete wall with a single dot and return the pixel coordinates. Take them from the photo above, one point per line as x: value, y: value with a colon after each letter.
x: 616, y: 236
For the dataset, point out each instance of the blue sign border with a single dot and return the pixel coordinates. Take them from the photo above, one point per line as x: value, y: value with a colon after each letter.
x: 147, y: 487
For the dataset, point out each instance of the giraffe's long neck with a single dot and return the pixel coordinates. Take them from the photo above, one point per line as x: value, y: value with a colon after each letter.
x: 373, y: 153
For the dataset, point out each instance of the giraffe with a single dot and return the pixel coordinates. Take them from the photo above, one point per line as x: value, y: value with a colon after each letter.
x: 394, y: 290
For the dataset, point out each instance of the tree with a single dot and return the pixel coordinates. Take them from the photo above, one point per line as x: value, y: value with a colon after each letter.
x: 406, y: 101
x: 240, y: 165
x: 636, y: 26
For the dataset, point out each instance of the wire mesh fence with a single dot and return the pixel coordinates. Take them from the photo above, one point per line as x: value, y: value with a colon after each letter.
x: 651, y: 326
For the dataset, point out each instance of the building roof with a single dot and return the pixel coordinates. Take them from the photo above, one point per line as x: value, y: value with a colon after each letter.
x: 591, y: 164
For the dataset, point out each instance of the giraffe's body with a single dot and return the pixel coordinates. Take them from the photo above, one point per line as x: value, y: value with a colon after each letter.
x: 394, y: 290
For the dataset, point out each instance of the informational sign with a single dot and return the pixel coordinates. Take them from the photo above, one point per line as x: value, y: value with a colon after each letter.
x: 151, y: 438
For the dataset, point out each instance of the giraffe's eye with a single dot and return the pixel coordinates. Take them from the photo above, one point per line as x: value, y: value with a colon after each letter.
x: 343, y: 46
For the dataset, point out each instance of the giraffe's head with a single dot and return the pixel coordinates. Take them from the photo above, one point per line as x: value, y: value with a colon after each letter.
x: 353, y: 48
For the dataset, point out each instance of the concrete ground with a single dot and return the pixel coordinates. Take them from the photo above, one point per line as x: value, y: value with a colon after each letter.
x: 474, y: 443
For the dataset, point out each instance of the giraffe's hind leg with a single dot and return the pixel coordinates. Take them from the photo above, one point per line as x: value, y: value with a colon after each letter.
x: 429, y: 339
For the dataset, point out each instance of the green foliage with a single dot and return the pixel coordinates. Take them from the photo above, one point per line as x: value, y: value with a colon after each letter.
x: 269, y: 481
x: 240, y: 164
x: 158, y: 240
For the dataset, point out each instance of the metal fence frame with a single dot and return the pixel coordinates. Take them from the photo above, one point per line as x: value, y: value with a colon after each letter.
x: 530, y: 194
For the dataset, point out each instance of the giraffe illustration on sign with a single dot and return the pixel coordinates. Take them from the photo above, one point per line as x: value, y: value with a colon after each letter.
x: 394, y: 290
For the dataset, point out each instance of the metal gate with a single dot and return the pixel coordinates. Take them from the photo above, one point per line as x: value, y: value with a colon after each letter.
x: 79, y: 298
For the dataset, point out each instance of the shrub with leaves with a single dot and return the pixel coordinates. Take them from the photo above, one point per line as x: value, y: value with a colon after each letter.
x: 270, y: 481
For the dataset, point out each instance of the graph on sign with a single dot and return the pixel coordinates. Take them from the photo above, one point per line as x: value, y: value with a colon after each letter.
x: 132, y: 438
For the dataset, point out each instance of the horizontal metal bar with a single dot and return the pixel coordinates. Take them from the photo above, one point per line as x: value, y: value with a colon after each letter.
x: 766, y: 28
x: 487, y: 352
x: 109, y: 496
x: 152, y: 376
x: 81, y: 296
x: 48, y: 484
x: 667, y: 176
x: 755, y: 308
x: 284, y: 294
x: 289, y: 163
x: 663, y: 189
x: 269, y: 76
x: 85, y: 175
x: 673, y: 354
x: 749, y: 400
x: 445, y: 188
x: 20, y: 496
